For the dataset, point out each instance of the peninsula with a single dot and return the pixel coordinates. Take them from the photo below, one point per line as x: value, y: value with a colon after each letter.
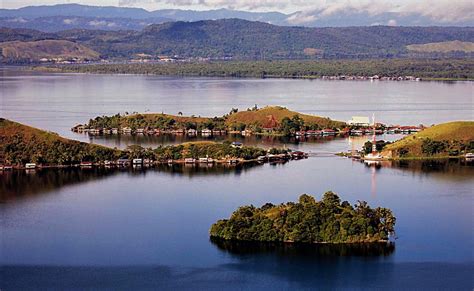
x: 452, y: 139
x: 24, y: 146
x: 308, y: 221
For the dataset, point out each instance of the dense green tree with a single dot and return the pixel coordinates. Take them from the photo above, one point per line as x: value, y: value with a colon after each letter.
x: 308, y: 221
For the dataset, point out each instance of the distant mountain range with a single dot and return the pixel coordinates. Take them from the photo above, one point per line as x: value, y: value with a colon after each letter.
x: 71, y: 16
x: 241, y: 39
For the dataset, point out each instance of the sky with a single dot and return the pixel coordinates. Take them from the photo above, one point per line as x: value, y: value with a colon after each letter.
x: 442, y: 10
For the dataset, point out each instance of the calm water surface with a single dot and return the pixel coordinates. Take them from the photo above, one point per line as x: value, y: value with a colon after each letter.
x: 66, y: 229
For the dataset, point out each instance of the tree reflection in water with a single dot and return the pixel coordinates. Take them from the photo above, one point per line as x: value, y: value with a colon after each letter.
x: 19, y: 184
x: 308, y: 251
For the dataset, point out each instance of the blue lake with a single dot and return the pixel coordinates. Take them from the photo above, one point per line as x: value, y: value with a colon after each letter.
x: 148, y: 229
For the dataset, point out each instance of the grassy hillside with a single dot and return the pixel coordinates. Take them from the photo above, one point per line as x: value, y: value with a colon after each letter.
x: 443, y: 47
x: 453, y: 138
x: 33, y: 51
x: 20, y: 144
x: 261, y: 117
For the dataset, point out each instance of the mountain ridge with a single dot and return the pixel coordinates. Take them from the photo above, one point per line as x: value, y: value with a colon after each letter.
x: 341, y: 19
x: 250, y: 40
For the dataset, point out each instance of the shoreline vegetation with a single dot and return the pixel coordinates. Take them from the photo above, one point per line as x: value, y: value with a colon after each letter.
x: 373, y: 69
x: 24, y: 147
x: 328, y: 221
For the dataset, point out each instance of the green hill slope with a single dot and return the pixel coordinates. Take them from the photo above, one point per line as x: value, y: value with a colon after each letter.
x: 20, y: 144
x: 453, y: 138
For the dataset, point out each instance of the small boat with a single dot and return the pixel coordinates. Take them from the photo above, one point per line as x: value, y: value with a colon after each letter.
x: 373, y: 157
x: 109, y: 163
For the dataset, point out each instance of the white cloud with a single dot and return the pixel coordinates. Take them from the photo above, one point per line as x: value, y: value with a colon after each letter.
x: 310, y: 10
x: 97, y: 23
x: 17, y: 19
x: 69, y: 20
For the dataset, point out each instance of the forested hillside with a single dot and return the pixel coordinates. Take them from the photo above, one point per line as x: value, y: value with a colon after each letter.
x: 240, y: 39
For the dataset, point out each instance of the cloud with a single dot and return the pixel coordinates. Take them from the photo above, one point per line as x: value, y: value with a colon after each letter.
x: 311, y: 10
x: 69, y: 20
x: 17, y: 19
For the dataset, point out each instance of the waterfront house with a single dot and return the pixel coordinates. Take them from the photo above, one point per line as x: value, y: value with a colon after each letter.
x: 137, y: 161
x: 359, y: 121
x: 189, y: 160
x: 94, y: 131
x: 107, y: 131
x: 216, y: 132
x: 114, y: 130
x: 192, y: 132
x: 78, y: 128
x: 206, y: 160
x: 409, y: 129
x: 328, y: 131
x: 86, y: 164
x: 140, y: 131
x: 300, y: 133
x: 126, y: 130
x: 122, y: 162
x: 30, y: 166
x: 271, y: 124
x: 206, y: 132
x: 108, y: 163
x: 178, y: 131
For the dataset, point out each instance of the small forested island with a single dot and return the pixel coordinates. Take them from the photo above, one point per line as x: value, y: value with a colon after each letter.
x: 270, y: 120
x: 308, y: 221
x: 21, y: 144
x: 452, y: 139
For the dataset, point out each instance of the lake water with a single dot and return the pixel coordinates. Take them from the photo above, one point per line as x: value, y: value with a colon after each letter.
x: 148, y: 229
